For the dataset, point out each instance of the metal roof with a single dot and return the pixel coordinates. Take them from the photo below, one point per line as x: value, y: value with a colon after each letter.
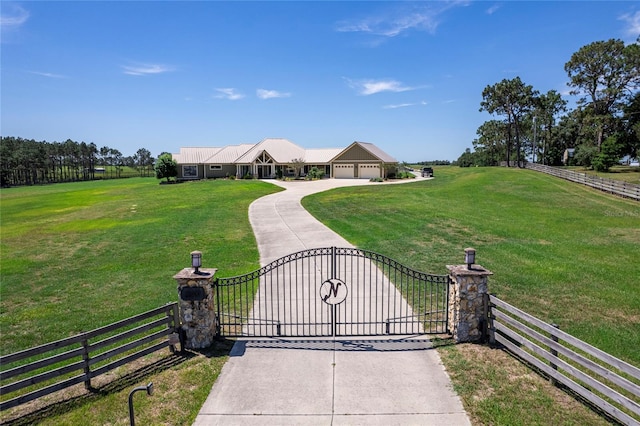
x: 229, y: 154
x: 281, y: 150
x: 194, y: 155
x: 321, y: 156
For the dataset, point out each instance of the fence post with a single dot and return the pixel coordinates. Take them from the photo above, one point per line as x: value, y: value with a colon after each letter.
x: 554, y: 353
x: 85, y: 362
x: 173, y: 322
x: 485, y: 317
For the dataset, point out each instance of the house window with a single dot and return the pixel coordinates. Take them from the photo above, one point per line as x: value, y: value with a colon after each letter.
x: 190, y: 171
x: 215, y: 167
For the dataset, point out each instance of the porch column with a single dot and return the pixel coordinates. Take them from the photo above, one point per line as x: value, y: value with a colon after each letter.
x: 197, y: 304
x: 466, y: 299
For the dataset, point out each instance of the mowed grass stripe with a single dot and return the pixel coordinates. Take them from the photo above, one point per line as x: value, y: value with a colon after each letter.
x: 563, y: 252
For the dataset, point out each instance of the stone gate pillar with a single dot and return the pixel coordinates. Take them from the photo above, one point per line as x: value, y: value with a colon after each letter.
x: 466, y: 299
x: 196, y: 303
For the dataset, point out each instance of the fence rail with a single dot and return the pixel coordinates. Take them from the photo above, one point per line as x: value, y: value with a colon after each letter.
x: 605, y: 381
x: 46, y: 369
x: 617, y: 187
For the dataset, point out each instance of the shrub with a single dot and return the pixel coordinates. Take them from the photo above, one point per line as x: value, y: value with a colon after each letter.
x: 610, y: 153
x: 315, y: 173
x: 584, y: 155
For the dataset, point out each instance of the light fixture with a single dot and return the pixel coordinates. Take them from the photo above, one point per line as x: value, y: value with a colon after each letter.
x: 149, y: 389
x: 469, y: 257
x: 196, y: 261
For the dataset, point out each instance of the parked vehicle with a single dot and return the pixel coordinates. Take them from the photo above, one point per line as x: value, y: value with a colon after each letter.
x: 427, y: 172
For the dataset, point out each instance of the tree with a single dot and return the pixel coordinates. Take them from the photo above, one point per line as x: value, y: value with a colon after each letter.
x: 143, y: 160
x: 609, y: 155
x: 117, y: 161
x: 604, y: 73
x: 166, y: 167
x: 297, y: 164
x: 584, y: 155
x: 466, y: 159
x: 491, y: 143
x: 513, y: 99
x: 630, y: 137
x: 548, y: 106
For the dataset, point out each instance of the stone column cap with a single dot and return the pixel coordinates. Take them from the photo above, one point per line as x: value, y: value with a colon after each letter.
x: 189, y: 274
x: 464, y: 270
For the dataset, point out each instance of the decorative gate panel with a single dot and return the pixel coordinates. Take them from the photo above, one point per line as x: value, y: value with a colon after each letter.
x: 331, y: 292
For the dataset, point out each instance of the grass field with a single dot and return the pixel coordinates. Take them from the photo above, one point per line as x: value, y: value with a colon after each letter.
x: 563, y: 252
x: 80, y: 255
x: 560, y: 251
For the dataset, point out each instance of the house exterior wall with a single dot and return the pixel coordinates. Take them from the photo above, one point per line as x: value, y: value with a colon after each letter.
x: 190, y: 171
x: 360, y: 158
x: 224, y: 171
x: 356, y: 153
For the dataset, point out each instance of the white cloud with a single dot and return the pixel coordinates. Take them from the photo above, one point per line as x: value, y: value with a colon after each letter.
x: 370, y: 87
x: 270, y: 94
x: 633, y: 24
x: 228, y: 93
x: 146, y: 69
x: 47, y: 74
x: 391, y: 23
x: 493, y: 9
x: 12, y: 18
x: 395, y: 106
x: 15, y: 17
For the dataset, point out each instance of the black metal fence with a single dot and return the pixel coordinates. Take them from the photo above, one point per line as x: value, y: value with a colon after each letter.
x: 332, y: 292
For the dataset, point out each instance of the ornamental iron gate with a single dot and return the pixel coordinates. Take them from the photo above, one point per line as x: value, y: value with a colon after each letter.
x: 331, y: 292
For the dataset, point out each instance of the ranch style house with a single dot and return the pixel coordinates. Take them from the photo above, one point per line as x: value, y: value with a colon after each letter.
x: 275, y: 157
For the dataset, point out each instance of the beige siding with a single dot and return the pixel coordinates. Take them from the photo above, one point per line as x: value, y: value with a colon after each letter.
x: 356, y: 153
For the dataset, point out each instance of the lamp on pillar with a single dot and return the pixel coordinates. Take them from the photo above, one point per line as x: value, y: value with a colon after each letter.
x: 196, y: 262
x: 469, y: 257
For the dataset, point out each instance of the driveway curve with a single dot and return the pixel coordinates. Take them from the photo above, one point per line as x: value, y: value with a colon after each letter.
x: 333, y: 381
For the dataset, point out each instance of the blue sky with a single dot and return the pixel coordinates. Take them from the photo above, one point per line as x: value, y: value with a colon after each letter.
x: 405, y: 76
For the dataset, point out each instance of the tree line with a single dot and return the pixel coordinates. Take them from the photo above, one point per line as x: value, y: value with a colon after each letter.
x: 538, y: 127
x: 30, y: 162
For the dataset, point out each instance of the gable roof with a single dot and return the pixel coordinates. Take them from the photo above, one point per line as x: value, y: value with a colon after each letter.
x: 370, y: 148
x: 281, y: 150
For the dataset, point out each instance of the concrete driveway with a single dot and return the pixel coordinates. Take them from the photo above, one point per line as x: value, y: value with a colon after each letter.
x: 333, y: 381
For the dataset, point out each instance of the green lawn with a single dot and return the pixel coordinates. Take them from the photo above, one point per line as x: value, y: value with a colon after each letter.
x: 560, y: 251
x: 78, y: 256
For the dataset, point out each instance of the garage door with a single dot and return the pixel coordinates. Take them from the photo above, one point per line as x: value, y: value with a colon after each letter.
x: 368, y: 171
x: 343, y: 171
